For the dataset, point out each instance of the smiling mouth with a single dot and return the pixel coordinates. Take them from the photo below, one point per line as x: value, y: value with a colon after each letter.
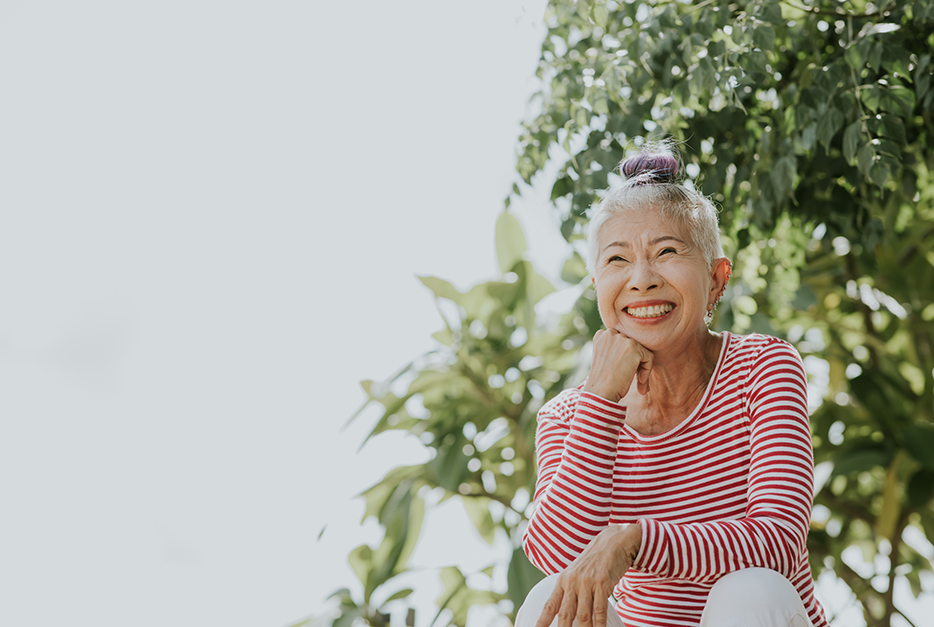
x: 652, y: 311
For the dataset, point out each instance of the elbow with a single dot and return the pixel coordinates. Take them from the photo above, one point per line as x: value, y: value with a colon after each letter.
x: 536, y: 552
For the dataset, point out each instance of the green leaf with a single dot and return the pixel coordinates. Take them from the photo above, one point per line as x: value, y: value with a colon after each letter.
x: 828, y: 125
x: 601, y: 15
x: 755, y: 61
x: 857, y: 53
x: 851, y: 462
x: 898, y: 100
x: 783, y: 175
x: 897, y: 60
x: 892, y: 127
x: 401, y: 594
x: 574, y: 269
x: 851, y: 139
x: 441, y: 288
x: 521, y: 577
x: 919, y: 441
x: 510, y: 241
x: 478, y: 509
x: 450, y: 466
x: 583, y: 9
x: 864, y: 158
x: 921, y: 488
x: 361, y: 561
x: 871, y: 96
x: 764, y: 37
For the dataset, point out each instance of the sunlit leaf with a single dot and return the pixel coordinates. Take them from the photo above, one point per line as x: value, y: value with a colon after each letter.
x: 521, y: 577
x: 510, y: 241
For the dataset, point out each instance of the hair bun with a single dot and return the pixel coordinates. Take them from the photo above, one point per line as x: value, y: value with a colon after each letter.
x: 649, y: 169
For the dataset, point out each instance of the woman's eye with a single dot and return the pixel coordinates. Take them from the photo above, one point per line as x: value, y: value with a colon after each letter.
x: 616, y: 258
x: 667, y: 250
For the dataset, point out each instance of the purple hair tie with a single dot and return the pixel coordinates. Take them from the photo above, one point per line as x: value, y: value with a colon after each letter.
x: 651, y: 169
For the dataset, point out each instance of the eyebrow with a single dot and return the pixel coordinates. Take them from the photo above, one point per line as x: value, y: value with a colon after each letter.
x: 655, y: 241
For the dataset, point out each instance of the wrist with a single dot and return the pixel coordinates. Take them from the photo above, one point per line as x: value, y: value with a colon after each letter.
x: 596, y: 390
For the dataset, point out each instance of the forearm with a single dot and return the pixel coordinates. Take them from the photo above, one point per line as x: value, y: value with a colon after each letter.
x: 573, y: 494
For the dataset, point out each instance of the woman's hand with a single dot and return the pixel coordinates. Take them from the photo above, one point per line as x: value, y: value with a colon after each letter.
x: 616, y: 360
x: 583, y: 589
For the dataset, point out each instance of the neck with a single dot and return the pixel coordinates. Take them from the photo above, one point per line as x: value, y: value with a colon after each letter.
x: 678, y: 380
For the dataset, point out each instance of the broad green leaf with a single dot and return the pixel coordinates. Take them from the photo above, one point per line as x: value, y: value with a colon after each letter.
x: 898, y: 100
x: 601, y: 15
x: 510, y: 241
x: 583, y: 8
x: 919, y: 440
x: 864, y: 158
x: 521, y: 577
x: 896, y: 59
x: 851, y: 140
x: 857, y: 53
x: 921, y: 488
x: 441, y: 288
x: 860, y: 461
x: 783, y: 176
x: 574, y: 269
x: 764, y: 37
x: 894, y: 128
x: 828, y: 125
x: 871, y: 97
x: 875, y: 57
x: 361, y: 561
x: 478, y: 509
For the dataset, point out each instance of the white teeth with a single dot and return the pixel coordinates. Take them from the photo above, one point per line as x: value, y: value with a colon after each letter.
x: 649, y: 312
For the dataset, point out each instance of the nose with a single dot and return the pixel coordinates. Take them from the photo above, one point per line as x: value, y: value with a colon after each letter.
x: 644, y: 277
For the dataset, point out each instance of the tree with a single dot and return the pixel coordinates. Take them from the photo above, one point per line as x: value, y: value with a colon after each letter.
x: 811, y: 126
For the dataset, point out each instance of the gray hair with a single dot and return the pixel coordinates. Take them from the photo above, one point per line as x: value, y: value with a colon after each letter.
x: 653, y: 187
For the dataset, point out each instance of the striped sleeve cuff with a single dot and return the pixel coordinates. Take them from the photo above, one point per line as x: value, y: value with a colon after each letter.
x: 593, y: 406
x: 653, y: 552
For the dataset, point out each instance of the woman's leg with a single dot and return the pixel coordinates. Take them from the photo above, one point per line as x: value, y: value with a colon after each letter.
x: 754, y: 597
x: 534, y: 604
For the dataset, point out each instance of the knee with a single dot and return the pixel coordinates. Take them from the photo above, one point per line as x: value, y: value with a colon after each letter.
x: 534, y: 603
x: 754, y: 597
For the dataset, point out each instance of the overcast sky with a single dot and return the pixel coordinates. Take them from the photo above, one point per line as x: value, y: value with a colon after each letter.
x: 213, y: 215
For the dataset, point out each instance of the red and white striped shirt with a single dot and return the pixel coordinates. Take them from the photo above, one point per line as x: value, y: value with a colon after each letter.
x: 729, y: 488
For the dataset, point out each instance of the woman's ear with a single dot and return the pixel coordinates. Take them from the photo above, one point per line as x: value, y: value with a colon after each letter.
x: 720, y: 276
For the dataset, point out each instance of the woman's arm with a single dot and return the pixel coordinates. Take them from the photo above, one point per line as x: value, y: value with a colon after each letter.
x: 575, y: 445
x: 774, y: 530
x: 576, y: 449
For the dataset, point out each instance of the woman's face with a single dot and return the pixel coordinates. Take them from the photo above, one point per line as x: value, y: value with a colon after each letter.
x: 653, y: 284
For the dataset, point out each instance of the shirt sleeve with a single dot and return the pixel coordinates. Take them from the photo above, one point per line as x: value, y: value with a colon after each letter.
x: 773, y: 532
x: 576, y: 451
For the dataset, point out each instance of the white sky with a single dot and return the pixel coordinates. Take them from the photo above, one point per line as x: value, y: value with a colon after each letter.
x: 213, y: 213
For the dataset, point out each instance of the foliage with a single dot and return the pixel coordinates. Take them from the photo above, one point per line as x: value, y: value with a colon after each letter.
x: 811, y: 126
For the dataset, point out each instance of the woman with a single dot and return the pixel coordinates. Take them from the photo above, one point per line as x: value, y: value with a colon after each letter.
x: 678, y: 478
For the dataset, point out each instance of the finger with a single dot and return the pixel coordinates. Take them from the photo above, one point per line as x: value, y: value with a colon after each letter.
x: 551, y: 607
x: 568, y: 610
x: 585, y: 609
x: 642, y: 377
x: 600, y: 609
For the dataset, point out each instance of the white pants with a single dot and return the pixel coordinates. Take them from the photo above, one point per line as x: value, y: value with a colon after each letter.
x: 753, y: 597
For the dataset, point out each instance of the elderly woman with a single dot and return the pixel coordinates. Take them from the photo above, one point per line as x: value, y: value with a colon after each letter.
x: 675, y: 484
